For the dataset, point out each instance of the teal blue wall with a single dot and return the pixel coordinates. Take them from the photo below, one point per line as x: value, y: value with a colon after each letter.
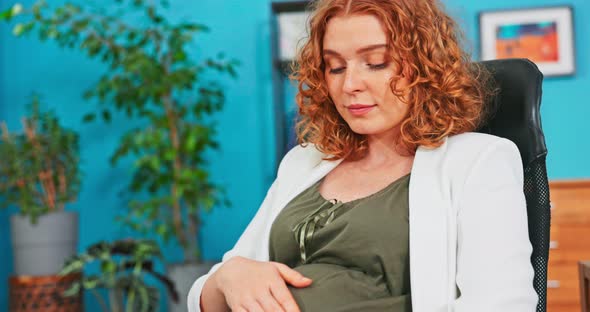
x: 245, y: 163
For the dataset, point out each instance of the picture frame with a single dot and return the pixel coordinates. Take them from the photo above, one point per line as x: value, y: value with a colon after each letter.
x: 288, y: 31
x: 292, y: 28
x: 544, y: 35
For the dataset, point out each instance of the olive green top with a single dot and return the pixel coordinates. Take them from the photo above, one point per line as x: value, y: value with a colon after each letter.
x: 356, y: 253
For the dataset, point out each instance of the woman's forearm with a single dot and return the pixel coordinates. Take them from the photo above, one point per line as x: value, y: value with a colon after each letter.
x: 212, y: 299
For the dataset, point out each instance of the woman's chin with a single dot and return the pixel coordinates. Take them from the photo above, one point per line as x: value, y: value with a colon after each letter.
x: 364, y: 130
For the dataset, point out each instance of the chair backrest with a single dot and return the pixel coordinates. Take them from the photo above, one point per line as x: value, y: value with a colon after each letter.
x: 517, y: 118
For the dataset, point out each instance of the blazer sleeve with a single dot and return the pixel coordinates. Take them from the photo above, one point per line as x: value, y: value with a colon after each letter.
x: 494, y: 271
x: 245, y: 247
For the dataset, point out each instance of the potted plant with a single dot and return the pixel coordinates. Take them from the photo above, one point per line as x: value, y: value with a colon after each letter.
x: 152, y: 80
x: 39, y: 174
x: 123, y: 267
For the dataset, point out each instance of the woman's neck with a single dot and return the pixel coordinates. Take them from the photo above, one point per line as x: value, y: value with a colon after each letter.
x: 383, y: 152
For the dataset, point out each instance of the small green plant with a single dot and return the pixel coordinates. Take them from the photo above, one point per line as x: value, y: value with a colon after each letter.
x: 39, y: 170
x: 151, y: 79
x: 124, y: 265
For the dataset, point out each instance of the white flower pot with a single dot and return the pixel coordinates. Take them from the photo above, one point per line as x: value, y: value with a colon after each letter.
x: 42, y: 248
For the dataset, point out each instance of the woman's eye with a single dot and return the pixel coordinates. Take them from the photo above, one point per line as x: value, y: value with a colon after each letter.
x: 377, y: 66
x: 337, y: 70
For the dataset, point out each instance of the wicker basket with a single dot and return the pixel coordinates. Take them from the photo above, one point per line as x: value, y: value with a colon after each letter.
x: 43, y: 293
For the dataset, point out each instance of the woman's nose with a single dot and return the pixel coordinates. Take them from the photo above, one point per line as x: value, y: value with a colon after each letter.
x: 353, y: 81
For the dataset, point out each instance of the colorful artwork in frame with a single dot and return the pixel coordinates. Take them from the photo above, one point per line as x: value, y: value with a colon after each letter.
x: 543, y: 35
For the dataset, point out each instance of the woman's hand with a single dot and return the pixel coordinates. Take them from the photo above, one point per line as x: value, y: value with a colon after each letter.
x: 255, y: 286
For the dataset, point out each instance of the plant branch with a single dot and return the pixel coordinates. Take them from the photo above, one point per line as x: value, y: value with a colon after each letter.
x: 62, y: 185
x: 177, y: 166
x: 45, y: 175
x: 169, y: 107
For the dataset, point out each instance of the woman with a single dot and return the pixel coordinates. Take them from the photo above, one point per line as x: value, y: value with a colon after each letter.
x: 390, y: 203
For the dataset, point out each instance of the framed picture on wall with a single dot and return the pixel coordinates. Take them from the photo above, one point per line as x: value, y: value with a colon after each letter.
x: 288, y: 33
x: 544, y: 35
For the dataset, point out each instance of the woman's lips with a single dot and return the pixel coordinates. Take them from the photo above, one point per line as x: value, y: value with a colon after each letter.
x: 359, y: 110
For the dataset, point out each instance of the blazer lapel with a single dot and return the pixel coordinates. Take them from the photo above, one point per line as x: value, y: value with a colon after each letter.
x: 429, y: 204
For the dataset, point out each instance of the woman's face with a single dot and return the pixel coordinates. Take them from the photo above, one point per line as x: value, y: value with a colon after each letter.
x: 358, y: 73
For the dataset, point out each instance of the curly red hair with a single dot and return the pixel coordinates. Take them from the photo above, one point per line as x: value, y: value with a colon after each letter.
x: 445, y: 94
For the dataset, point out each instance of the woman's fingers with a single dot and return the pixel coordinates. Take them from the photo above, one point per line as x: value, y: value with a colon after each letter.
x: 253, y: 306
x: 284, y: 297
x: 291, y: 276
x: 269, y: 302
x: 255, y: 286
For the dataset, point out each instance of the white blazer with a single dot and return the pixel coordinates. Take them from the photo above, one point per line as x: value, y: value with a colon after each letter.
x: 469, y: 244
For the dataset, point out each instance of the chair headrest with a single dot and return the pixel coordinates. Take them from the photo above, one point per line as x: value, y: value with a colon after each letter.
x: 517, y: 115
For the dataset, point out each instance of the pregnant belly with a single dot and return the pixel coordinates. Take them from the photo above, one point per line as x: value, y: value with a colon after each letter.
x: 337, y: 288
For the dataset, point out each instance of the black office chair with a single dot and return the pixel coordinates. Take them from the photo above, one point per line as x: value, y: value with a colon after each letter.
x: 517, y: 118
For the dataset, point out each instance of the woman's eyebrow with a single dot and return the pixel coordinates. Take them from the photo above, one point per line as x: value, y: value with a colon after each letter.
x: 359, y: 51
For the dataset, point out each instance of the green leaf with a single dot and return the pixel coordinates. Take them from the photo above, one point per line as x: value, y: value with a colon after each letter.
x: 91, y: 282
x: 161, y: 229
x: 179, y: 56
x: 6, y: 15
x: 108, y: 266
x: 232, y: 72
x: 17, y: 9
x: 144, y: 299
x: 75, y: 264
x: 89, y: 117
x: 80, y: 25
x: 18, y: 29
x: 191, y: 142
x: 106, y: 116
x: 52, y: 33
x: 73, y: 290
